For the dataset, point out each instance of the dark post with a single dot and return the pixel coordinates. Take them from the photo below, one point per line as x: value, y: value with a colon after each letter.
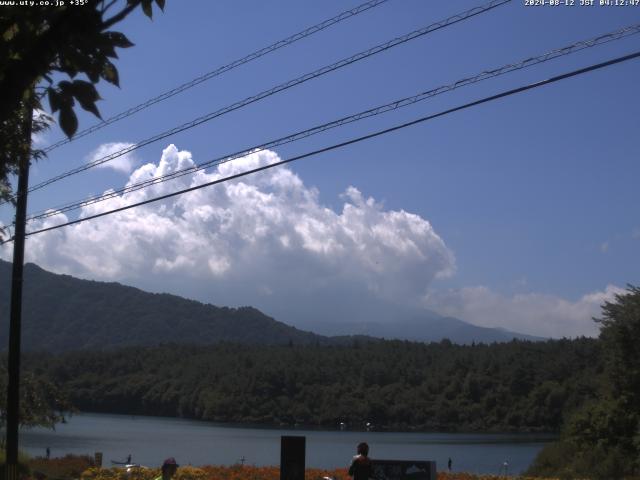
x: 13, y: 388
x: 292, y: 458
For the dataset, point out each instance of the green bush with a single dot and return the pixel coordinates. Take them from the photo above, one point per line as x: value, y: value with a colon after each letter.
x: 552, y: 461
x: 67, y: 467
x: 601, y: 440
x: 23, y: 464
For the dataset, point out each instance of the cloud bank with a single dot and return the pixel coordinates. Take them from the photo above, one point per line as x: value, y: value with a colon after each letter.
x: 266, y: 240
x: 531, y: 313
x: 263, y: 240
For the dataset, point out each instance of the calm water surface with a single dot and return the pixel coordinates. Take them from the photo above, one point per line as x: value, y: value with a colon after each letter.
x: 151, y: 439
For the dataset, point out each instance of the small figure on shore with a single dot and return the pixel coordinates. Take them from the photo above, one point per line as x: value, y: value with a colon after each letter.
x: 505, y: 467
x: 169, y: 469
x: 129, y: 459
x: 449, y: 464
x: 48, y: 453
x: 360, y: 468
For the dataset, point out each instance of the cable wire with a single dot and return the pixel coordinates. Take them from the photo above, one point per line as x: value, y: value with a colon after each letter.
x: 486, y: 74
x: 284, y: 86
x: 220, y: 70
x: 378, y: 133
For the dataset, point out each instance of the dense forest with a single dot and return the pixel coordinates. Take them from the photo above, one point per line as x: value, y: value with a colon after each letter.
x: 601, y: 439
x: 516, y: 386
x: 586, y: 389
x: 62, y: 313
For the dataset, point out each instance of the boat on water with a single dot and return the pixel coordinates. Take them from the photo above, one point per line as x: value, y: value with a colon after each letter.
x: 127, y: 466
x: 125, y: 463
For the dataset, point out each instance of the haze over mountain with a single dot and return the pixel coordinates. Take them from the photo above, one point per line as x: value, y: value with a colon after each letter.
x: 428, y: 327
x: 61, y: 312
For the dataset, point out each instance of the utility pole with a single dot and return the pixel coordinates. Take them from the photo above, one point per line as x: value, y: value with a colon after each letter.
x: 13, y: 389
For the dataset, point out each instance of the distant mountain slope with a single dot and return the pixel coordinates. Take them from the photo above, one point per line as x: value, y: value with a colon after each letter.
x: 61, y: 312
x: 425, y: 327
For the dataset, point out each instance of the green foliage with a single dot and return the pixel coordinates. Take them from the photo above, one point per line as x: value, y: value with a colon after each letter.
x: 23, y: 464
x: 594, y: 444
x: 67, y: 467
x: 13, y: 138
x: 63, y: 313
x: 565, y: 460
x: 602, y: 439
x: 552, y: 461
x: 40, y: 44
x: 392, y: 384
x: 620, y: 333
x: 42, y: 403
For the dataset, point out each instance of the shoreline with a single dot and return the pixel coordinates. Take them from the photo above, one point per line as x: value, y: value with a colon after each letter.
x: 200, y: 442
x: 544, y: 434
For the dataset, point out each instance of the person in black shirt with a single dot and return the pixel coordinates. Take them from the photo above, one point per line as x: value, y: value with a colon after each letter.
x: 360, y: 468
x: 169, y: 469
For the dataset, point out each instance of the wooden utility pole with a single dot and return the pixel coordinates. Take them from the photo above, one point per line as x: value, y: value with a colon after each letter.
x: 13, y: 389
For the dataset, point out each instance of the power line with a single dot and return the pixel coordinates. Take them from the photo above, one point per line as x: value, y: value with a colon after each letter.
x: 220, y: 70
x: 350, y: 142
x: 284, y: 86
x: 486, y: 74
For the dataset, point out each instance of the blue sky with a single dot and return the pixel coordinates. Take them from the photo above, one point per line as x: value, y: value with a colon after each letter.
x: 533, y: 197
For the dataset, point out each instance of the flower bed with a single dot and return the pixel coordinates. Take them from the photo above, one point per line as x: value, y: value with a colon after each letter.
x: 238, y: 472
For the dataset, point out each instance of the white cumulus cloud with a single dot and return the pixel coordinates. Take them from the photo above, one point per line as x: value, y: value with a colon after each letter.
x: 124, y: 163
x: 532, y: 313
x: 264, y: 240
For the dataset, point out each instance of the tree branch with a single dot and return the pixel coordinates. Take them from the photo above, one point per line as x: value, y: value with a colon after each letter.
x: 108, y: 6
x: 120, y: 16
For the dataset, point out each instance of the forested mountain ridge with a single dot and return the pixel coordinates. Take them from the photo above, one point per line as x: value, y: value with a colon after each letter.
x: 515, y: 386
x: 63, y: 313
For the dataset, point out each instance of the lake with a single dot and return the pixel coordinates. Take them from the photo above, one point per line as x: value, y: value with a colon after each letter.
x: 151, y: 439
